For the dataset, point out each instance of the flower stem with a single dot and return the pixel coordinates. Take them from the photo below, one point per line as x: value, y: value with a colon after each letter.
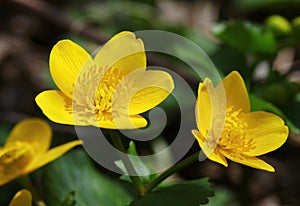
x: 175, y: 168
x: 116, y: 139
x: 26, y: 182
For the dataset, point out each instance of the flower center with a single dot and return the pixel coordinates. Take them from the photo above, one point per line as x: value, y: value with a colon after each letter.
x: 233, y: 136
x: 94, y: 94
x: 17, y: 155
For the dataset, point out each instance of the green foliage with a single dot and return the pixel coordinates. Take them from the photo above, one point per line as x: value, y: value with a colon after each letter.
x: 279, y: 92
x: 75, y: 172
x: 189, y: 193
x: 222, y: 197
x: 247, y: 37
x: 228, y: 58
x: 140, y: 167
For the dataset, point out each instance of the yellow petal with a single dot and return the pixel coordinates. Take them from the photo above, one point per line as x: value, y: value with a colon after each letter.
x: 34, y: 131
x: 56, y: 106
x: 249, y: 161
x: 203, y: 108
x: 147, y: 89
x: 121, y: 34
x: 124, y: 52
x: 122, y: 122
x: 66, y: 60
x: 51, y: 155
x: 22, y: 198
x: 211, y: 153
x: 267, y: 130
x: 236, y: 92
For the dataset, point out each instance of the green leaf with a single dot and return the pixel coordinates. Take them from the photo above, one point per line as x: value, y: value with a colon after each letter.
x: 75, y: 172
x: 146, y: 173
x: 246, y: 37
x: 223, y: 196
x: 208, y: 45
x: 189, y: 193
x: 258, y: 104
x: 223, y: 60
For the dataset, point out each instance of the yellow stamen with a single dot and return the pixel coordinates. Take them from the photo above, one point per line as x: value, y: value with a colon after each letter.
x: 94, y: 94
x: 233, y: 137
x: 18, y: 154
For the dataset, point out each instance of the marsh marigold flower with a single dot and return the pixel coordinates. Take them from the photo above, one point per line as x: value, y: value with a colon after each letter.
x: 234, y: 132
x: 27, y: 149
x: 107, y: 91
x: 21, y: 198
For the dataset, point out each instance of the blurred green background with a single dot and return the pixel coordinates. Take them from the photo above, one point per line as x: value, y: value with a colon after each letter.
x: 258, y: 38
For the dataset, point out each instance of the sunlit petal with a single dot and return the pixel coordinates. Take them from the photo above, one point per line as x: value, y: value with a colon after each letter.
x: 203, y: 108
x: 56, y: 106
x: 148, y: 89
x: 249, y: 161
x: 66, y: 60
x: 236, y: 92
x: 267, y: 131
x: 211, y: 153
x: 122, y: 122
x: 124, y: 52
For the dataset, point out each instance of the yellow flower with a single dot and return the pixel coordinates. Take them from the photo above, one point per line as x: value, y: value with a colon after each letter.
x: 234, y: 132
x: 27, y: 149
x: 108, y: 91
x: 22, y: 198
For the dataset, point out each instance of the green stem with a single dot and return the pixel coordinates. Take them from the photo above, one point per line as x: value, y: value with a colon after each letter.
x: 26, y: 182
x: 175, y: 168
x: 116, y: 139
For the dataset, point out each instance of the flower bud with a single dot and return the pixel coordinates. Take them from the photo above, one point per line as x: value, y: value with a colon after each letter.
x: 296, y: 26
x: 279, y: 25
